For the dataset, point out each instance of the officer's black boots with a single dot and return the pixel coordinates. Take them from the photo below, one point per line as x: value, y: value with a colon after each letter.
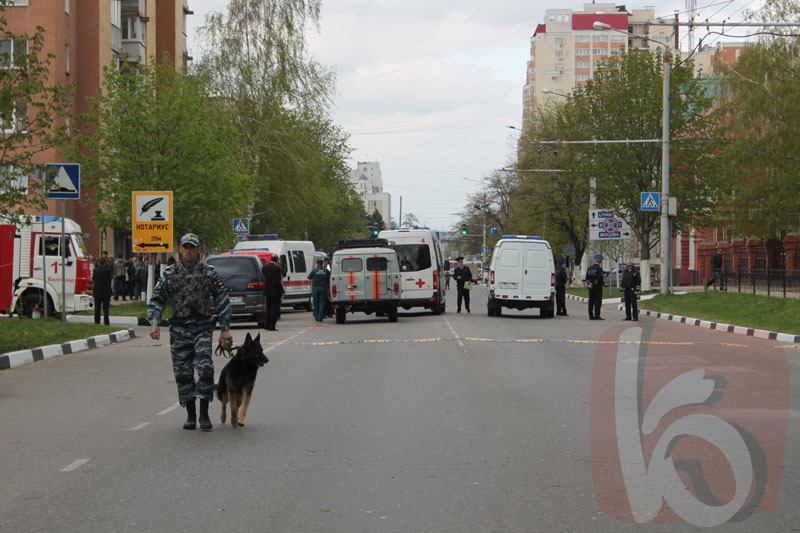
x: 191, y: 416
x: 205, y: 421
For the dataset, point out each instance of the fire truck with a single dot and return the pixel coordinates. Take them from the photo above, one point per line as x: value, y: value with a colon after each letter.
x: 31, y: 266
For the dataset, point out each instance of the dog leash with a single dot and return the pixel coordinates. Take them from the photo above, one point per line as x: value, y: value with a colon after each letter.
x: 225, y: 348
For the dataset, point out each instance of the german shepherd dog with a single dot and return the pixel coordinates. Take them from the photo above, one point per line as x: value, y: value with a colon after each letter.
x: 237, y: 379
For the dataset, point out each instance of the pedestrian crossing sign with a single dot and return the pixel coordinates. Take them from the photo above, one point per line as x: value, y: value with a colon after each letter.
x: 651, y: 201
x: 241, y: 225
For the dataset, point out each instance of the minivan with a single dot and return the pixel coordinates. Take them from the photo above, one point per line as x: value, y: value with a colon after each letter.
x: 365, y: 277
x: 245, y: 283
x: 522, y: 275
x: 296, y: 260
x: 422, y: 267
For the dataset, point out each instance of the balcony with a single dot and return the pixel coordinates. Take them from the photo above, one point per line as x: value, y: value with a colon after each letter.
x: 135, y: 50
x: 133, y: 7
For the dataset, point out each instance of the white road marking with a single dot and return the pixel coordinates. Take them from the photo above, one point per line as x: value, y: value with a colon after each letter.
x: 138, y: 427
x: 456, y: 335
x: 169, y: 409
x: 75, y: 465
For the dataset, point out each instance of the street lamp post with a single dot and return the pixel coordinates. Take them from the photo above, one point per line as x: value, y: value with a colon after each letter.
x: 666, y: 230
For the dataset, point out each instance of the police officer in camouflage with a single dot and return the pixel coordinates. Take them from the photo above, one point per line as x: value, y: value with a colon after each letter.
x: 191, y: 285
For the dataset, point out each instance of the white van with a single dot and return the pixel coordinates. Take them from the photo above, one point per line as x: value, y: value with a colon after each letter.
x: 522, y: 275
x: 296, y: 259
x: 422, y: 267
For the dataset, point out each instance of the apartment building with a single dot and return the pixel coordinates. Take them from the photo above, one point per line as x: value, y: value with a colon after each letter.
x: 367, y: 180
x: 85, y: 36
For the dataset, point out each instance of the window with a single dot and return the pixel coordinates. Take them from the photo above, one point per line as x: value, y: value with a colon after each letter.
x: 600, y: 38
x: 14, y: 117
x: 559, y: 41
x: 559, y: 54
x: 413, y: 257
x: 299, y: 260
x: 377, y: 264
x: 14, y: 179
x: 51, y: 246
x: 581, y: 38
x: 130, y: 28
x: 17, y: 2
x: 13, y: 53
x: 352, y: 264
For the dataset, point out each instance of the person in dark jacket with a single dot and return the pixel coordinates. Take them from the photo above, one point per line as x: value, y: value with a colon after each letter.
x: 101, y: 289
x: 273, y: 292
x: 631, y: 285
x: 463, y: 277
x: 595, y: 283
x: 561, y: 288
x: 716, y: 263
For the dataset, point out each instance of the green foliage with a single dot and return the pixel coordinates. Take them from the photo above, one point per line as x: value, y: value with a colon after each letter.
x: 25, y: 334
x: 761, y: 124
x: 552, y: 196
x: 624, y: 101
x: 153, y: 129
x: 257, y: 61
x: 33, y: 117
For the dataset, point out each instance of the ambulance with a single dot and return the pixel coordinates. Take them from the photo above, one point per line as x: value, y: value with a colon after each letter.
x: 365, y: 277
x: 422, y: 267
x: 522, y: 276
x: 31, y: 266
x: 296, y: 260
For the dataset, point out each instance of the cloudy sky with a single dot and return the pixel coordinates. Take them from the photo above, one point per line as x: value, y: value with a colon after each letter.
x: 429, y: 88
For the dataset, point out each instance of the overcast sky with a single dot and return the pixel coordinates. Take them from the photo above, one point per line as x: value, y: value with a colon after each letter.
x: 428, y: 88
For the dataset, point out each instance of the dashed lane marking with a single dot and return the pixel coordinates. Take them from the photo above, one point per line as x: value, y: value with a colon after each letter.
x: 461, y: 340
x: 75, y: 465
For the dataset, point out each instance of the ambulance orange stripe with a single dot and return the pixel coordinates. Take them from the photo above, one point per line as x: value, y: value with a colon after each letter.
x: 351, y: 283
x: 376, y: 283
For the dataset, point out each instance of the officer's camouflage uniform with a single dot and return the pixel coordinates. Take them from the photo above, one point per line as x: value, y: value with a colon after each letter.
x: 192, y: 324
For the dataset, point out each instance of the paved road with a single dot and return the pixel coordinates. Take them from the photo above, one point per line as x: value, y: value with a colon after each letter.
x: 449, y: 423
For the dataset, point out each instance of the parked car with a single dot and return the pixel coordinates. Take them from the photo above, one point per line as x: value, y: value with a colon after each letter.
x: 245, y: 283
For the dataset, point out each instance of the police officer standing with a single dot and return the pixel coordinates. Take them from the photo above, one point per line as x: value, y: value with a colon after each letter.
x: 594, y: 281
x: 273, y: 292
x: 463, y: 276
x: 320, y: 279
x: 561, y: 288
x: 631, y: 285
x: 191, y: 285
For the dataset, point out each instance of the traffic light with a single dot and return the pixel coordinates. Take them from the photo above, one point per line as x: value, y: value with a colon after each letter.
x: 375, y: 229
x: 463, y: 229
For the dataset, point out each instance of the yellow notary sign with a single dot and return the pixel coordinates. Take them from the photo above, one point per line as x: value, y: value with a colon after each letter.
x: 152, y: 221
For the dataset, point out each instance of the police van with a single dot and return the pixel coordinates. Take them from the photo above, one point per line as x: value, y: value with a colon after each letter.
x: 522, y: 275
x: 296, y: 260
x: 422, y: 267
x: 365, y: 277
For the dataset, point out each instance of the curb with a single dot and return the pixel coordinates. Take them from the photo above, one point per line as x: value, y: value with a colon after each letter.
x: 728, y: 328
x: 708, y: 324
x: 23, y: 357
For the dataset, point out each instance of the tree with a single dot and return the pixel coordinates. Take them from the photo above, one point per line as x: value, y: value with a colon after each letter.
x: 33, y: 117
x: 552, y: 195
x: 624, y: 101
x: 153, y: 129
x: 374, y: 220
x: 760, y: 122
x: 257, y: 60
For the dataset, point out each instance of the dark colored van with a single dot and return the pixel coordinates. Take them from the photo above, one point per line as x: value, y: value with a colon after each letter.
x: 245, y: 283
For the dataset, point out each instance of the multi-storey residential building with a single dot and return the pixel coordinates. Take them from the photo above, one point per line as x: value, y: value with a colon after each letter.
x: 84, y: 36
x: 565, y: 52
x: 566, y: 49
x: 367, y: 180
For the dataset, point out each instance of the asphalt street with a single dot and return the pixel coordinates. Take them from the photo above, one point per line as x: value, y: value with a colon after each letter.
x: 449, y: 423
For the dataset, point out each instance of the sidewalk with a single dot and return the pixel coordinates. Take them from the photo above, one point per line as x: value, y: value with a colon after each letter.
x: 719, y: 326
